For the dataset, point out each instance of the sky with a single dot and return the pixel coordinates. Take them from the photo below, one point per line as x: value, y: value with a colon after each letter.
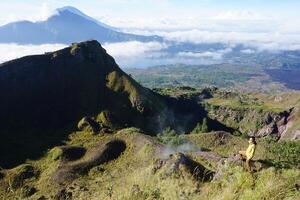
x: 261, y: 24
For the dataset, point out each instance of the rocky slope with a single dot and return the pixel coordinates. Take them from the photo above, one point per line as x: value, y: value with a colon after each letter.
x: 246, y: 113
x: 258, y: 115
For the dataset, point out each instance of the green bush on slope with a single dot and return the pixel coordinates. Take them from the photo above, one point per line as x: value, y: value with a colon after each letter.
x: 284, y: 154
x: 170, y: 137
x: 201, y: 127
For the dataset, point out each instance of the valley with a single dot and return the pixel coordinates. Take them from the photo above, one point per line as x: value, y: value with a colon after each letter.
x: 238, y: 77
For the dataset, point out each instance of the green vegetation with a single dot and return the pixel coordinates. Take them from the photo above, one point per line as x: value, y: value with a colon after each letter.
x: 194, y: 76
x: 234, y: 76
x: 266, y: 184
x: 201, y: 127
x: 18, y: 175
x: 225, y: 144
x: 170, y: 137
x: 131, y: 175
x: 246, y: 113
x: 284, y: 154
x: 204, y: 127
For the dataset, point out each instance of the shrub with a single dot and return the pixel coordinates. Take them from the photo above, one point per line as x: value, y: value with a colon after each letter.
x: 198, y: 128
x: 201, y: 127
x: 169, y: 136
x: 284, y: 154
x: 204, y: 127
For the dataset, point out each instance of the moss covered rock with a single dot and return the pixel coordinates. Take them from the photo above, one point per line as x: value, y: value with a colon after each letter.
x: 89, y: 124
x: 18, y: 175
x: 66, y: 153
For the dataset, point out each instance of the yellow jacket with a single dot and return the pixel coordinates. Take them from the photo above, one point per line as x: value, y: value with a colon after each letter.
x: 250, y: 151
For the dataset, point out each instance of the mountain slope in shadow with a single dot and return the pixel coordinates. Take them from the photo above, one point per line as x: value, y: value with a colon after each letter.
x: 43, y: 97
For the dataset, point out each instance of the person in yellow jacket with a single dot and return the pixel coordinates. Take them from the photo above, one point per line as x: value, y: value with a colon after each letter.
x: 249, y: 153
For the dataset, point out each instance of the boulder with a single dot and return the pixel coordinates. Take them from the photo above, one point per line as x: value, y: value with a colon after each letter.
x: 179, y: 161
x: 89, y: 124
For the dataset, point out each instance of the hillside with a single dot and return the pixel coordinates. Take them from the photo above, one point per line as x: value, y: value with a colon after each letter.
x: 57, y: 88
x: 254, y: 114
x: 47, y: 95
x: 131, y: 165
x: 75, y: 126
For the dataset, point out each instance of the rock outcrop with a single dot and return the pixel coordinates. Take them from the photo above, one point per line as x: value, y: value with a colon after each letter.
x: 179, y: 163
x: 275, y: 124
x: 252, y: 121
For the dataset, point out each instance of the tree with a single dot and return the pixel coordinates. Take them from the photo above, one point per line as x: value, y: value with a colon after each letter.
x: 201, y: 127
x: 198, y: 128
x: 204, y: 127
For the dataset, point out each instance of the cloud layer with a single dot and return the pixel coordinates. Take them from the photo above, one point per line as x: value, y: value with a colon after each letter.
x: 133, y: 48
x: 13, y: 51
x: 210, y: 55
x: 127, y: 54
x: 269, y: 41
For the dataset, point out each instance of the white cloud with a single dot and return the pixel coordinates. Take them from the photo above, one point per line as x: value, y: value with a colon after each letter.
x: 132, y: 48
x: 13, y: 51
x: 291, y: 26
x: 224, y: 20
x: 206, y: 54
x: 139, y: 54
x: 230, y: 27
x: 125, y: 53
x: 135, y: 53
x: 214, y: 55
x: 248, y: 51
x: 46, y: 11
x: 260, y: 40
x: 240, y: 15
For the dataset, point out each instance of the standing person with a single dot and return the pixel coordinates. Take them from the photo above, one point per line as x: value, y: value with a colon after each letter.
x: 249, y: 153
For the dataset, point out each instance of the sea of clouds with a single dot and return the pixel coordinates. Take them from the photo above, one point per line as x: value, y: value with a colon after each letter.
x: 254, y: 32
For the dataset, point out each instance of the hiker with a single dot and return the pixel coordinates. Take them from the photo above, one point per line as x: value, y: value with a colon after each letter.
x: 249, y: 153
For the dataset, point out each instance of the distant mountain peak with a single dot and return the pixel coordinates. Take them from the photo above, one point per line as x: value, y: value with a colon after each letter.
x: 67, y: 25
x: 78, y: 12
x: 69, y: 8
